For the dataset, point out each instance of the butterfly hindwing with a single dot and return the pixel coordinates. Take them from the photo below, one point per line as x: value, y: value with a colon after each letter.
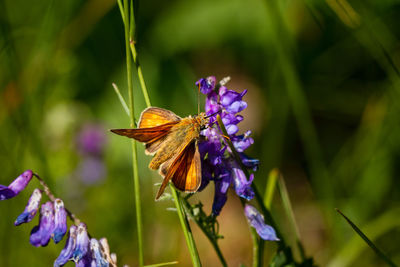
x: 185, y: 170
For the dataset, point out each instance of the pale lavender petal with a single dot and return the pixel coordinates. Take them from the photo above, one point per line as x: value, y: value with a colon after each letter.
x: 66, y: 253
x: 256, y: 220
x: 98, y: 255
x: 31, y: 208
x: 82, y: 243
x: 60, y: 220
x: 40, y: 235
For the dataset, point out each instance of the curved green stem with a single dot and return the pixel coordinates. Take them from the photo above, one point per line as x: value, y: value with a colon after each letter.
x: 186, y: 228
x: 212, y: 240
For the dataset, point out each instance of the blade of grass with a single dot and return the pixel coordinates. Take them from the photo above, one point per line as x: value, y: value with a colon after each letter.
x: 162, y: 264
x: 270, y: 188
x: 121, y: 99
x: 132, y: 122
x: 289, y: 213
x: 367, y: 240
x: 177, y: 199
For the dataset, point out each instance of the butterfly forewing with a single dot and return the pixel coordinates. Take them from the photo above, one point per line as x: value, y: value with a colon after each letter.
x: 154, y: 116
x: 146, y: 135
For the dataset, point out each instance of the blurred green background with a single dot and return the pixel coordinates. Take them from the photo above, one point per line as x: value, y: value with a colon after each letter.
x: 323, y: 96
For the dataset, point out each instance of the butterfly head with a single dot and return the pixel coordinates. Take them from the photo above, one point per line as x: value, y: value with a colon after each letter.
x: 202, y: 120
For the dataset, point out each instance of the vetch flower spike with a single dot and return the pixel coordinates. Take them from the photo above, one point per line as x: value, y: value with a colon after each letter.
x: 66, y: 253
x: 256, y: 220
x: 31, y: 208
x: 41, y: 234
x: 19, y: 184
x: 60, y: 220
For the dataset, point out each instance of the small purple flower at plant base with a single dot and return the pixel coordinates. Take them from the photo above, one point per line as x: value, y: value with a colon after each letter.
x: 82, y: 243
x: 111, y: 258
x: 68, y: 250
x: 19, y: 184
x: 60, y: 220
x: 41, y: 234
x: 218, y: 162
x: 98, y: 255
x: 256, y: 220
x: 31, y: 208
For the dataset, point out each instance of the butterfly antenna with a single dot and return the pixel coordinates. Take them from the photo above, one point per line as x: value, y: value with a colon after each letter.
x: 215, y: 113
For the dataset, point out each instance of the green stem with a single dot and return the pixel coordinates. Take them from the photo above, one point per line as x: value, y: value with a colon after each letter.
x: 140, y: 73
x: 182, y: 217
x: 132, y: 122
x: 186, y: 229
x: 212, y: 240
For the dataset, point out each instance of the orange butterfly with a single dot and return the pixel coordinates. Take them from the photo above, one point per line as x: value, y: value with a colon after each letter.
x: 173, y: 142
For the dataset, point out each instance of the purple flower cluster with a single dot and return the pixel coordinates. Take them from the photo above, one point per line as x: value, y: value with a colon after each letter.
x: 218, y: 163
x: 85, y: 252
x: 53, y: 225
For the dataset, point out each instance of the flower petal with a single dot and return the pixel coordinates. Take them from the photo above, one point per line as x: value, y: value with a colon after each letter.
x: 60, y: 220
x: 82, y: 243
x: 31, y: 208
x: 16, y: 186
x: 242, y: 186
x: 40, y: 235
x: 256, y: 220
x: 98, y: 255
x: 70, y: 244
x: 206, y: 85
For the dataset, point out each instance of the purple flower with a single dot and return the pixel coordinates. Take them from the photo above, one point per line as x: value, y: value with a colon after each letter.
x: 256, y: 220
x: 242, y: 142
x: 218, y: 163
x: 16, y: 186
x: 111, y: 258
x: 41, y: 234
x: 98, y: 255
x: 86, y: 261
x: 231, y: 100
x: 66, y: 253
x: 206, y: 85
x: 82, y: 243
x: 92, y: 139
x: 30, y: 209
x: 221, y: 190
x: 60, y: 220
x: 249, y: 162
x: 241, y: 184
